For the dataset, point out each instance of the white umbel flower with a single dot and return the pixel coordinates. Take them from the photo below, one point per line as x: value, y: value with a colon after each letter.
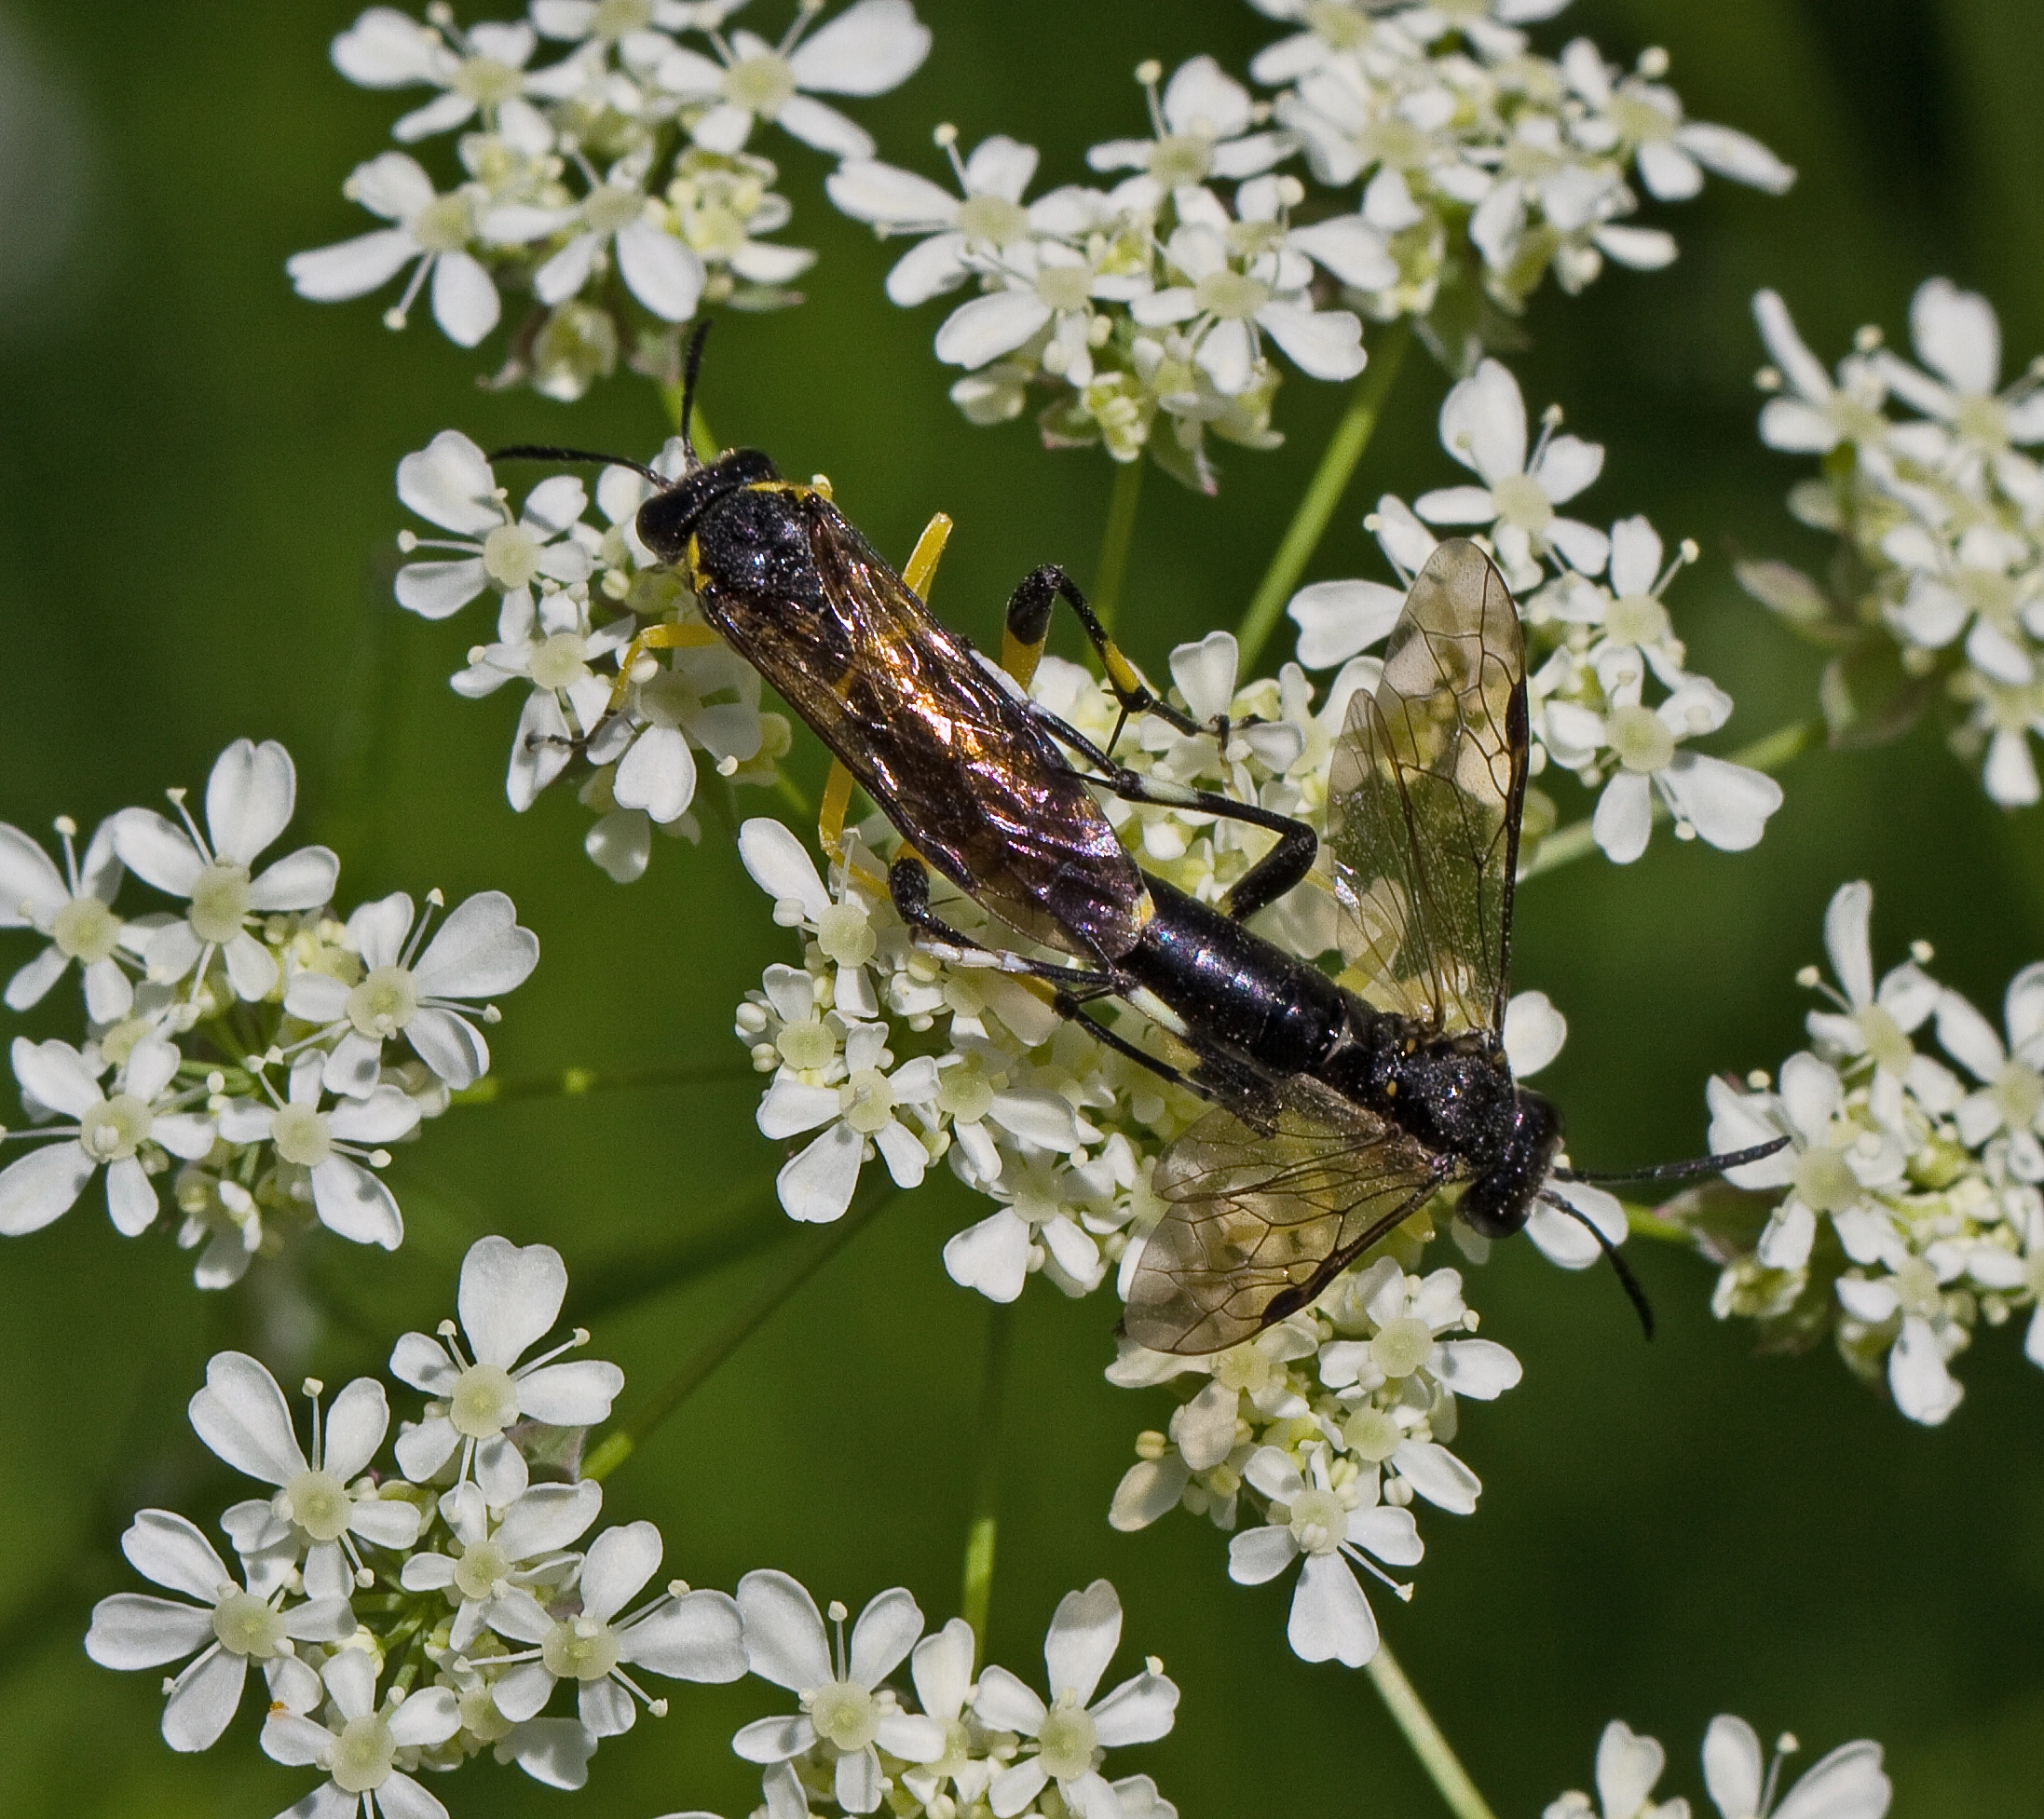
x: 868, y: 48
x: 843, y: 1702
x: 1201, y: 129
x: 113, y: 1130
x: 73, y: 908
x: 427, y: 999
x: 227, y: 1628
x: 508, y: 1299
x: 984, y: 220
x: 858, y: 1115
x: 321, y: 1512
x: 358, y: 1750
x: 2011, y: 1096
x: 249, y: 797
x: 1073, y: 1732
x: 432, y: 234
x: 683, y: 1635
x: 1332, y: 1517
x: 329, y: 1145
x: 616, y: 219
x: 522, y: 1549
x: 449, y: 483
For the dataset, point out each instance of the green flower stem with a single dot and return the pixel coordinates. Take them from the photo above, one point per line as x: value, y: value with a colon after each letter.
x: 1411, y: 1716
x: 979, y: 1535
x: 573, y: 1082
x: 1117, y: 539
x: 623, y: 1440
x: 1330, y: 481
x: 1567, y: 843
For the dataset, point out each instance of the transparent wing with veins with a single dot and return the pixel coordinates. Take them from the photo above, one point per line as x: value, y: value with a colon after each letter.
x: 1424, y: 794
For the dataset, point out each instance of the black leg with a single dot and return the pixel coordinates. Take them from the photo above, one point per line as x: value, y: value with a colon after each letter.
x: 908, y: 885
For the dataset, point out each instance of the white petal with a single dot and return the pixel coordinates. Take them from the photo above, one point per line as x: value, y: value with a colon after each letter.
x: 660, y: 271
x: 1083, y: 1637
x: 436, y: 589
x: 43, y: 1185
x: 554, y: 1752
x: 774, y: 1739
x: 164, y: 1547
x: 992, y: 1256
x: 1226, y: 355
x: 1139, y: 1711
x: 1627, y: 1766
x: 251, y: 969
x: 881, y: 1639
x: 856, y: 1784
x: 816, y: 1185
x: 658, y: 774
x: 31, y: 886
x: 1481, y: 1368
x: 197, y: 1713
x: 1331, y: 1618
x: 478, y: 951
x: 1533, y: 1032
x: 822, y: 128
x: 242, y: 1415
x: 1669, y: 172
x: 1923, y: 1388
x: 1437, y: 1475
x: 157, y: 851
x: 1483, y: 423
x: 697, y: 1636
x: 356, y: 1422
x: 465, y: 301
x: 1349, y: 248
x: 990, y: 326
x: 942, y: 1669
x: 619, y: 1561
x: 352, y: 1203
x: 1727, y: 804
x: 350, y: 268
x: 450, y: 1045
x: 300, y: 880
x: 927, y: 270
x: 574, y: 1395
x: 1338, y: 618
x: 779, y: 865
x: 1624, y: 818
x: 1848, y: 1784
x: 1205, y: 673
x: 866, y: 49
x: 131, y: 1631
x: 449, y: 483
x: 784, y: 1639
x: 1732, y: 1767
x: 509, y: 1298
x: 1324, y: 344
x: 887, y: 196
x: 1004, y: 1702
x: 29, y: 986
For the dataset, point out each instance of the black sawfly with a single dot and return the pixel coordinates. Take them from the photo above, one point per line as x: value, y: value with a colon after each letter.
x: 1338, y: 1115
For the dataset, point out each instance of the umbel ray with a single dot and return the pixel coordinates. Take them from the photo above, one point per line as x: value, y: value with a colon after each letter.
x: 1337, y: 1114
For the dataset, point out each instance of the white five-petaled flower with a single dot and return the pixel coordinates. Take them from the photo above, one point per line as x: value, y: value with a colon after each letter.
x: 817, y: 1183
x: 478, y: 953
x: 985, y: 220
x: 432, y: 234
x: 1874, y: 1021
x: 317, y: 1517
x: 1332, y: 1517
x: 843, y: 1702
x: 508, y: 1299
x: 683, y: 1635
x: 227, y: 1628
x: 1958, y: 337
x: 940, y: 1666
x: 110, y: 1132
x: 1074, y: 1730
x: 1483, y: 426
x: 706, y: 696
x: 481, y: 72
x: 2010, y: 1097
x: 868, y: 49
x: 1044, y: 283
x: 1199, y: 129
x: 249, y: 797
x: 1223, y: 304
x: 328, y: 1144
x: 1815, y: 414
x: 73, y: 908
x: 524, y: 1548
x: 616, y: 217
x: 449, y: 483
x: 1638, y: 118
x: 360, y: 1752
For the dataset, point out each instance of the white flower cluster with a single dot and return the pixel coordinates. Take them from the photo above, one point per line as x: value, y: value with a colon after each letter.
x: 460, y: 1589
x: 1598, y: 631
x: 1938, y: 584
x: 570, y: 595
x: 244, y: 1040
x: 1849, y: 1783
x: 1909, y: 1205
x: 1153, y: 300
x: 1333, y: 1420
x: 612, y: 184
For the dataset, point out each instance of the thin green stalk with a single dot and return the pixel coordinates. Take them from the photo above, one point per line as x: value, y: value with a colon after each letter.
x: 623, y: 1441
x: 1568, y: 844
x: 573, y: 1082
x: 980, y: 1533
x: 1117, y: 539
x: 745, y: 1222
x: 1330, y: 481
x: 1410, y: 1713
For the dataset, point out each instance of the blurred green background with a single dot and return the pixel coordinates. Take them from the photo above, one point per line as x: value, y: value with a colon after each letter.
x: 196, y: 523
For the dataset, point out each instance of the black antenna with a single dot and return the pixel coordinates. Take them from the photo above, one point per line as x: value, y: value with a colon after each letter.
x: 1623, y: 1269
x: 1732, y: 1159
x: 690, y: 371
x: 546, y: 452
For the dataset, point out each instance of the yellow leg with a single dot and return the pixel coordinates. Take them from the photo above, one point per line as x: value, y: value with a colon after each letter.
x: 922, y: 559
x: 657, y: 637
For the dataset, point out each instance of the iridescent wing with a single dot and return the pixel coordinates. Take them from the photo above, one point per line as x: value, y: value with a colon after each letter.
x: 1423, y: 800
x: 1264, y: 1215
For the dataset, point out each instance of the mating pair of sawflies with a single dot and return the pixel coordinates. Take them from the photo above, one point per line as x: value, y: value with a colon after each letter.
x: 1336, y: 1115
